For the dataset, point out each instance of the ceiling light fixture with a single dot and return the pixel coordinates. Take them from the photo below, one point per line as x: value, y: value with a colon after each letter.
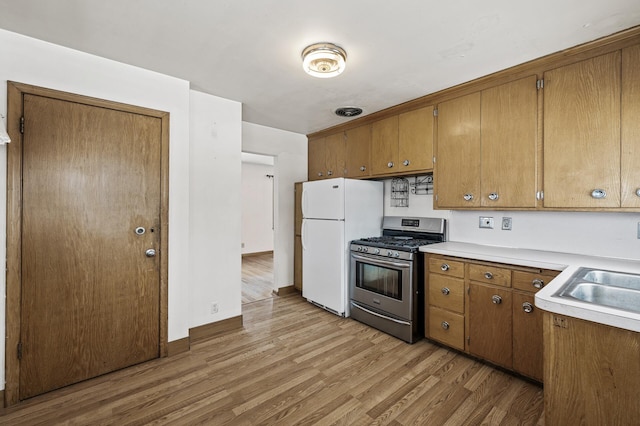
x: 323, y: 60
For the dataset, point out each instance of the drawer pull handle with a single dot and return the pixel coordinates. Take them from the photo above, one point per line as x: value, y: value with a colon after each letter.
x: 496, y: 299
x: 445, y: 291
x: 445, y: 267
x: 445, y: 325
x: 537, y: 283
x: 488, y: 275
x: 527, y: 307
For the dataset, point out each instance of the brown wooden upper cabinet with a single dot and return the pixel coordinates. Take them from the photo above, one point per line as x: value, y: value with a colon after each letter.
x: 403, y: 143
x: 326, y: 157
x: 486, y: 148
x: 358, y: 152
x: 630, y: 161
x: 582, y: 134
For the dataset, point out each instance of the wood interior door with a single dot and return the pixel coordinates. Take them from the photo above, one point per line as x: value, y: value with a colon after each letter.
x: 90, y: 295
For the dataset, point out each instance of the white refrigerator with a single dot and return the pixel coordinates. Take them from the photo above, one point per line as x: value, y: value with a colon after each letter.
x: 335, y: 212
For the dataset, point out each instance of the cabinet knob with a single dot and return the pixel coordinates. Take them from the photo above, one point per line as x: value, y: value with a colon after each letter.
x: 468, y: 197
x: 390, y: 164
x: 638, y: 192
x: 598, y: 194
x: 488, y: 275
x: 445, y: 291
x: 406, y: 162
x: 445, y: 325
x: 493, y: 196
x: 445, y: 267
x: 537, y: 283
x: 363, y: 168
x: 527, y: 307
x: 496, y: 299
x: 319, y: 174
x: 330, y: 173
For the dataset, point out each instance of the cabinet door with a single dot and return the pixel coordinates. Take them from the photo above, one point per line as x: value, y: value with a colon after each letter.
x: 630, y: 127
x: 358, y: 152
x: 297, y: 211
x: 509, y: 128
x: 527, y: 336
x: 489, y: 318
x: 457, y: 167
x: 582, y: 134
x: 384, y: 146
x: 316, y: 161
x: 334, y: 155
x: 415, y: 140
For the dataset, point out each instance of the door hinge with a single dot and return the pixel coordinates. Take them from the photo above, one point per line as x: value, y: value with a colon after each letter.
x: 20, y: 350
x: 22, y: 125
x: 435, y: 112
x: 540, y: 84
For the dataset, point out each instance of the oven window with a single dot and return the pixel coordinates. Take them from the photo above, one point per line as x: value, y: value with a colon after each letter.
x: 384, y: 281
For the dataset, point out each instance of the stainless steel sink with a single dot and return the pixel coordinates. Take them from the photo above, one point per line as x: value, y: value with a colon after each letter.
x: 605, y: 288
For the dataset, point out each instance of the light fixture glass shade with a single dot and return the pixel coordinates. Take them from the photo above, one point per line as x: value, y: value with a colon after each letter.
x: 323, y: 60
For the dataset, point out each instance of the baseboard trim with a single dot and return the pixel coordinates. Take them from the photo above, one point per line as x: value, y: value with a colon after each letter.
x: 258, y: 253
x: 285, y: 291
x: 207, y: 331
x: 178, y: 346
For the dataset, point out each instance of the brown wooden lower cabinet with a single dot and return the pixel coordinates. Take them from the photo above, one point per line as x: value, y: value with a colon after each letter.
x: 593, y: 371
x: 487, y: 310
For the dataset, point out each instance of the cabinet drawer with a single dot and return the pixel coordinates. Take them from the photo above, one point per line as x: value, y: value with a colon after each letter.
x: 446, y: 327
x: 446, y: 267
x: 446, y: 292
x: 490, y: 275
x: 528, y: 281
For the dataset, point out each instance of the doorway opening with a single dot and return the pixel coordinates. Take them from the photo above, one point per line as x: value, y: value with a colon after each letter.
x: 258, y: 178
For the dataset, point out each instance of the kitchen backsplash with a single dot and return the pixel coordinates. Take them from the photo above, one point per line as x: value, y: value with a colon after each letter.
x: 590, y: 233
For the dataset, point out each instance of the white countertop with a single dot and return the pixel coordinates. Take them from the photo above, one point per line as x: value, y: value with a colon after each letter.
x: 567, y: 263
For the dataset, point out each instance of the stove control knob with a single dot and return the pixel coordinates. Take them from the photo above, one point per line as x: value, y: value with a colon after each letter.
x: 376, y: 251
x: 396, y: 254
x: 390, y: 253
x: 365, y: 249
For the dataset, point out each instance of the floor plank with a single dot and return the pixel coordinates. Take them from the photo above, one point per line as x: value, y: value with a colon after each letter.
x: 257, y: 277
x: 294, y: 363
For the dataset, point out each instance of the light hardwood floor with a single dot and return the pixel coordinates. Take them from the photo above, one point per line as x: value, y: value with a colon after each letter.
x: 257, y: 277
x: 293, y: 363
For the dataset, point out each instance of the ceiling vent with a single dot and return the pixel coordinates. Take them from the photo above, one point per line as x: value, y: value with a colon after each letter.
x: 348, y: 111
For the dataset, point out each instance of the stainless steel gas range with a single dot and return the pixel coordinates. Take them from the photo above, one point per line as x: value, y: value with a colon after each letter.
x: 386, y: 275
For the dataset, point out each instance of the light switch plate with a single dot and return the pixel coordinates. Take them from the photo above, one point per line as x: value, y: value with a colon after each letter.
x: 486, y: 222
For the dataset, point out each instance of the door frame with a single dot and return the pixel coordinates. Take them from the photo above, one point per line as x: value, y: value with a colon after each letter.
x: 15, y: 93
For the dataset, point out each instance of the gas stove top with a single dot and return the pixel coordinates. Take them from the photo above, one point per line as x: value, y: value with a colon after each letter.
x: 404, y: 234
x: 395, y: 242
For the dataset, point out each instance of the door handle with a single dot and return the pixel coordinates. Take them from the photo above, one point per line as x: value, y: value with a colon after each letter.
x: 150, y: 253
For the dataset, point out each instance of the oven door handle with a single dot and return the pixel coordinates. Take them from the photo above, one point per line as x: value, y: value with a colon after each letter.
x: 380, y: 262
x: 355, y: 305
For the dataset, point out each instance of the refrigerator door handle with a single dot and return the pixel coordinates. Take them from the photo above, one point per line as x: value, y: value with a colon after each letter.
x: 304, y: 203
x: 356, y: 305
x: 302, y: 233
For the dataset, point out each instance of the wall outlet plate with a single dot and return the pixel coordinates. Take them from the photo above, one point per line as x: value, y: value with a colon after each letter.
x: 486, y: 222
x: 506, y: 223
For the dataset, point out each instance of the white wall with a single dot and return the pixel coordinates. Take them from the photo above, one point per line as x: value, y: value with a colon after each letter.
x: 31, y: 61
x: 257, y: 207
x: 290, y: 150
x: 590, y: 233
x: 215, y: 224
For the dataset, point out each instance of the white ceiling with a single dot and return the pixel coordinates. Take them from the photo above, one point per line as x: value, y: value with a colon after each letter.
x: 249, y: 50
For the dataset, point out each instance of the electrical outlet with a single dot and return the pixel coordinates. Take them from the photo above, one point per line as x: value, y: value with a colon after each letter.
x: 486, y: 222
x: 214, y: 308
x: 506, y: 223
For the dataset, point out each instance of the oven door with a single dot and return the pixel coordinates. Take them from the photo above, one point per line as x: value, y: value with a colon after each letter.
x: 382, y: 284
